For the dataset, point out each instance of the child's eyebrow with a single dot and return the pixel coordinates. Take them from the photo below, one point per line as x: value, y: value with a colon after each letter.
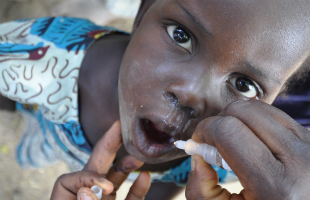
x: 194, y: 19
x: 251, y: 68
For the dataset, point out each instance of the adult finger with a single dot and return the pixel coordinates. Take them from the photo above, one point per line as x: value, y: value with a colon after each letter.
x: 120, y: 171
x: 105, y: 150
x: 67, y: 185
x: 247, y: 155
x: 272, y: 126
x: 86, y: 193
x: 140, y: 187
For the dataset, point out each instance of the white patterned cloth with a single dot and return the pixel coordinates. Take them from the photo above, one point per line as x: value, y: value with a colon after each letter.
x: 39, y: 67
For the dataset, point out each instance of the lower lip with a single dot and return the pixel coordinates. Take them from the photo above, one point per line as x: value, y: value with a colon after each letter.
x: 147, y: 148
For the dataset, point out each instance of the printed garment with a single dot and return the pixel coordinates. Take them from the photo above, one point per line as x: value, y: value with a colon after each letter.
x: 39, y: 68
x: 40, y: 61
x: 179, y: 174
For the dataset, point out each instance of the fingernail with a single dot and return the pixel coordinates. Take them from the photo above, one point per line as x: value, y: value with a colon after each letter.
x: 102, y: 180
x: 193, y: 163
x: 84, y: 196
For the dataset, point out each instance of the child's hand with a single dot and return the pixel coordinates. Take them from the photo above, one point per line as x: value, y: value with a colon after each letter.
x: 98, y: 172
x: 267, y: 150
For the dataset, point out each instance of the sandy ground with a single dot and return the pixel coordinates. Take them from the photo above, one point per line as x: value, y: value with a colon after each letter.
x: 16, y: 183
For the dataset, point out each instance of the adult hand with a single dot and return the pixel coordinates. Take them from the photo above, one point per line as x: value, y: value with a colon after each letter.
x: 266, y: 149
x: 98, y: 171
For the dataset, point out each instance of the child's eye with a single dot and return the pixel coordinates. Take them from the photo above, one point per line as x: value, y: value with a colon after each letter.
x: 244, y: 86
x: 180, y: 36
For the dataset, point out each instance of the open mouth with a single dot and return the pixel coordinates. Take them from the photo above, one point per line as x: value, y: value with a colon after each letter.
x: 154, y: 134
x: 151, y: 140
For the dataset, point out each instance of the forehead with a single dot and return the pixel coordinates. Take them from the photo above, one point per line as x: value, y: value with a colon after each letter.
x: 249, y: 15
x: 266, y: 32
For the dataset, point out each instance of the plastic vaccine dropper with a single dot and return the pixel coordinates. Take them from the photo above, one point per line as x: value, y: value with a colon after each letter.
x: 97, y: 190
x: 207, y: 152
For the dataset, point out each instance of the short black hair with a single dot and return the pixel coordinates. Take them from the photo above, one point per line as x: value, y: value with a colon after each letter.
x: 298, y: 79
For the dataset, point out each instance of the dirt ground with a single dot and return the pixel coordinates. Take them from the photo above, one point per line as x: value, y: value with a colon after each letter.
x: 16, y: 183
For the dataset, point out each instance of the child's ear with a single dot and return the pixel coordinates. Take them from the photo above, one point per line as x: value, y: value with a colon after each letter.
x: 144, y: 6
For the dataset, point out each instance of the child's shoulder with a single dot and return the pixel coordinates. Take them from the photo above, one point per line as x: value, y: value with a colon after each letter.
x: 104, y: 57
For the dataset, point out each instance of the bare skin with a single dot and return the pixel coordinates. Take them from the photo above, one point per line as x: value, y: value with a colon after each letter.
x: 160, y: 78
x: 156, y: 70
x: 267, y: 151
x: 200, y: 81
x: 97, y: 171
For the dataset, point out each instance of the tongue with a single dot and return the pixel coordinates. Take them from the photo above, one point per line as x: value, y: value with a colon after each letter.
x: 154, y: 134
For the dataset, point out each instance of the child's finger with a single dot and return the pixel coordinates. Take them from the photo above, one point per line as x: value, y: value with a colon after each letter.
x: 140, y: 187
x: 119, y: 172
x: 86, y: 193
x: 203, y: 182
x: 67, y: 185
x: 105, y: 150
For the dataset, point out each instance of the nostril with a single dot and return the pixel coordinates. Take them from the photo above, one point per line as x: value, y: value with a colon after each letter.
x: 174, y: 98
x: 175, y: 101
x: 191, y: 112
x: 171, y: 97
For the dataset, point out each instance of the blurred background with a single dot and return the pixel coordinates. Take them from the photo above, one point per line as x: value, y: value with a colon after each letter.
x: 16, y: 183
x: 116, y: 13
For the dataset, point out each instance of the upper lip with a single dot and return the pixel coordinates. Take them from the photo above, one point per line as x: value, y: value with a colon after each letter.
x: 173, y: 130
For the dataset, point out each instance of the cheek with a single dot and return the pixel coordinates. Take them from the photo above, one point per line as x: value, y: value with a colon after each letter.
x: 137, y: 77
x: 138, y: 69
x: 126, y: 109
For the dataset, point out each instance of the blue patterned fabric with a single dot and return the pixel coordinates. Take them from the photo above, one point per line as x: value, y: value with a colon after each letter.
x: 39, y: 62
x: 179, y: 174
x: 18, y: 48
x: 28, y: 158
x: 70, y: 34
x: 75, y: 134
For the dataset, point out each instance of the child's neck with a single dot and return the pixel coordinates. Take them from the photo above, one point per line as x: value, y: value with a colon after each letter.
x: 98, y: 83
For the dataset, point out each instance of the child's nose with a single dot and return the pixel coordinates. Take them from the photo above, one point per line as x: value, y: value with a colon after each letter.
x: 188, y: 97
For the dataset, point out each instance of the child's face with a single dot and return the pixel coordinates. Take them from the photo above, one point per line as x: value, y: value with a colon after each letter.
x: 188, y: 59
